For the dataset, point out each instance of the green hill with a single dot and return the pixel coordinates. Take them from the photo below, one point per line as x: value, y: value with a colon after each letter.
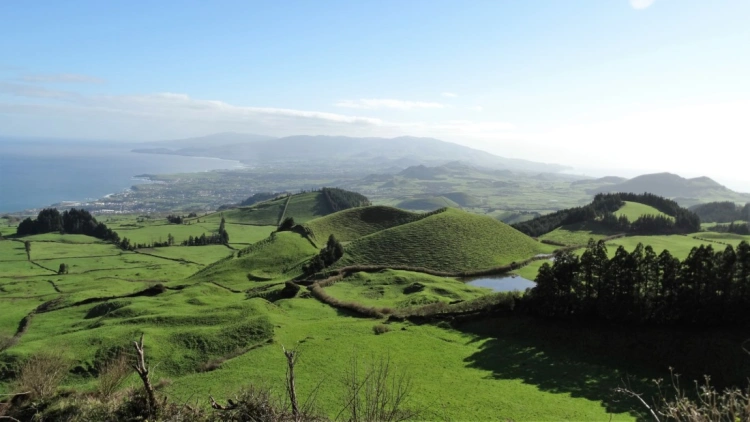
x: 463, y: 199
x: 354, y: 223
x: 452, y: 240
x: 635, y: 210
x: 429, y: 203
x: 277, y: 258
x: 265, y: 213
x: 302, y: 207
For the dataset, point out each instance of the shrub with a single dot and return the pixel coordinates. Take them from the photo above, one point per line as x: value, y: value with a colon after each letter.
x: 706, y: 404
x: 112, y: 375
x: 290, y: 289
x: 414, y: 288
x: 381, y: 329
x: 42, y: 373
x: 6, y: 342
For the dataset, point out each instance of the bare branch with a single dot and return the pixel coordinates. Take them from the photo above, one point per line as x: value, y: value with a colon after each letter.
x: 143, y: 372
x: 632, y: 393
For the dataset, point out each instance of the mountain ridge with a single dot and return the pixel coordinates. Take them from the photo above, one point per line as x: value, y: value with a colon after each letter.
x: 402, y: 151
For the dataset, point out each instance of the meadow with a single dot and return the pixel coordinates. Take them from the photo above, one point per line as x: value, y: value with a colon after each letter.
x: 634, y: 210
x: 214, y: 320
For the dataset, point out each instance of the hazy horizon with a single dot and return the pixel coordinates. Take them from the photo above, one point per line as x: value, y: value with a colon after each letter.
x: 734, y: 184
x: 639, y: 85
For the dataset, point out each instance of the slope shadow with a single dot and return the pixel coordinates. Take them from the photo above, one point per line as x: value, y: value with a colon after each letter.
x: 522, y: 349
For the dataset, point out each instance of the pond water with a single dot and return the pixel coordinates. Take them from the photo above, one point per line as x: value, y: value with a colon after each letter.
x: 506, y: 283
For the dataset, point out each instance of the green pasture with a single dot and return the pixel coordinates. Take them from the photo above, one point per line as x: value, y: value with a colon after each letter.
x: 578, y: 234
x: 455, y: 375
x: 401, y: 289
x: 635, y: 210
x: 203, y: 255
x: 678, y: 245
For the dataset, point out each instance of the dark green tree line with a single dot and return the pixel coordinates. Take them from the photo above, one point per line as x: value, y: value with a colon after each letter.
x: 602, y: 209
x: 73, y: 221
x: 707, y: 288
x: 331, y: 253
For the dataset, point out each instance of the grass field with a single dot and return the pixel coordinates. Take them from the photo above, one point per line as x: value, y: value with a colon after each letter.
x: 400, y: 289
x: 456, y: 375
x: 634, y: 210
x: 678, y: 245
x: 158, y: 231
x: 302, y: 207
x: 453, y: 240
x: 578, y: 234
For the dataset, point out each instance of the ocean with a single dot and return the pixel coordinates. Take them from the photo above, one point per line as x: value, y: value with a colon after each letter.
x: 38, y: 173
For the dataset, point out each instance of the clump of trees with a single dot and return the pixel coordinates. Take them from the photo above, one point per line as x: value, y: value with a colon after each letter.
x: 340, y: 199
x: 73, y: 221
x: 707, y: 288
x: 722, y: 212
x: 604, y: 206
x: 286, y: 225
x: 740, y: 228
x: 258, y: 197
x: 221, y: 237
x: 174, y: 219
x: 331, y: 253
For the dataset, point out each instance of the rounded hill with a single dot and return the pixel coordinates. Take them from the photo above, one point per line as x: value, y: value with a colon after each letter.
x: 302, y: 207
x: 354, y: 223
x: 429, y: 203
x: 451, y: 240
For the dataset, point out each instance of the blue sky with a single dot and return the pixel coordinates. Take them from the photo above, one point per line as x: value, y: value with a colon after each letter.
x: 599, y: 84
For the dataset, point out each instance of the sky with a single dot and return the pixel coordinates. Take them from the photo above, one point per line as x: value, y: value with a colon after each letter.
x: 606, y: 86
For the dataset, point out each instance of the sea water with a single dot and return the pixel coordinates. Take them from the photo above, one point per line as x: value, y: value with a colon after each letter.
x: 38, y: 173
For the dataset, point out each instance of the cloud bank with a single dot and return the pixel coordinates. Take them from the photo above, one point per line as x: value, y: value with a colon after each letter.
x: 641, y: 4
x: 384, y: 103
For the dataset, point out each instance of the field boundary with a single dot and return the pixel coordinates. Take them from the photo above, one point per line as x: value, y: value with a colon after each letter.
x: 283, y: 212
x: 171, y: 259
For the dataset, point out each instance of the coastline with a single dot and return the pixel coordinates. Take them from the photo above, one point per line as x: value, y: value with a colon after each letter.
x: 135, y: 180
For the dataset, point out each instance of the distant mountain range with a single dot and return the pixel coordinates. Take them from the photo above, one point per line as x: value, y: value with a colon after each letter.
x: 687, y: 192
x: 341, y: 151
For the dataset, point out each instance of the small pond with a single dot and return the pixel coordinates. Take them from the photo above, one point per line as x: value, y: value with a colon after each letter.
x: 505, y: 283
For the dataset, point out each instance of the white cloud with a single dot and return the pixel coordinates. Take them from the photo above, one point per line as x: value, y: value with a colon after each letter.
x: 32, y: 91
x: 702, y: 139
x: 380, y: 103
x: 641, y: 4
x: 448, y: 95
x: 62, y: 78
x: 477, y: 108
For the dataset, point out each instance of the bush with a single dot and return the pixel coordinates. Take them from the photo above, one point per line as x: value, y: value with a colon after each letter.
x: 42, y: 373
x: 381, y: 329
x: 290, y: 290
x: 6, y: 342
x: 112, y: 375
x: 414, y: 288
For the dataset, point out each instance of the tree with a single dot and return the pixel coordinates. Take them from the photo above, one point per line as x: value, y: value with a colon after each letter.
x: 223, y: 235
x: 27, y: 246
x: 286, y: 225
